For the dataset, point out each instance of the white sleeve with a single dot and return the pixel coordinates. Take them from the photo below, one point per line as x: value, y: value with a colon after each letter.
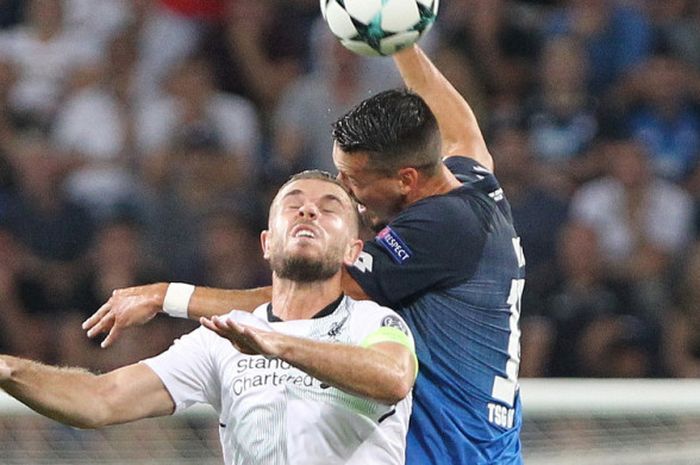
x: 189, y: 371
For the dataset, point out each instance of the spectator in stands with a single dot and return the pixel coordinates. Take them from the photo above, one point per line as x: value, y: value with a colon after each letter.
x: 44, y: 54
x: 620, y: 346
x: 94, y: 131
x: 26, y: 328
x: 200, y: 177
x: 171, y: 30
x: 643, y: 223
x: 116, y: 258
x: 561, y: 114
x: 258, y: 39
x: 227, y: 251
x: 194, y: 105
x: 539, y: 210
x: 660, y: 106
x: 616, y: 35
x: 584, y: 294
x: 309, y: 106
x: 55, y: 231
x: 502, y: 28
x: 98, y: 21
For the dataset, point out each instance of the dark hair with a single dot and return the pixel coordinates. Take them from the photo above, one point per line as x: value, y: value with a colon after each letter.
x: 395, y: 128
x: 328, y: 177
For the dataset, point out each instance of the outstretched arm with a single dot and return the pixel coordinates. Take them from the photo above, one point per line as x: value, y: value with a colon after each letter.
x: 78, y: 398
x: 459, y: 128
x: 137, y: 305
x: 384, y: 369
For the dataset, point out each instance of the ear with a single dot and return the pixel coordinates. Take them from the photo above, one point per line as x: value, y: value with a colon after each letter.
x: 264, y: 243
x: 352, y: 252
x: 408, y: 179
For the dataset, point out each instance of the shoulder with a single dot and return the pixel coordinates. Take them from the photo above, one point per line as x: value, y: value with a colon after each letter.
x: 466, y: 167
x: 459, y: 210
x: 366, y: 307
x: 372, y: 313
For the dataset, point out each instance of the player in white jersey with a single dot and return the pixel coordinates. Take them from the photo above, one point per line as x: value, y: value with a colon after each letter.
x: 313, y: 377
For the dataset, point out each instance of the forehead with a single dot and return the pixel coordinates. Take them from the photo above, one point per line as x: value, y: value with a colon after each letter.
x: 314, y: 189
x: 349, y: 163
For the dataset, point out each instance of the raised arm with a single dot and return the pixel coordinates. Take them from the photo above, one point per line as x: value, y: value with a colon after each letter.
x: 459, y: 128
x: 78, y: 398
x: 137, y: 305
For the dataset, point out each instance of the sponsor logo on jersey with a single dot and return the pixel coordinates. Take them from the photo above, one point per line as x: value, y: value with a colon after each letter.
x: 364, y: 262
x: 393, y: 321
x: 337, y: 328
x: 392, y: 242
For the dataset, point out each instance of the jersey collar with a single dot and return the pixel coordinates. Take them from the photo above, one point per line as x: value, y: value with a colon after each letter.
x: 325, y: 311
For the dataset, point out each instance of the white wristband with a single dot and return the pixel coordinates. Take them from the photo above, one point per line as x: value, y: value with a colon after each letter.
x: 177, y: 299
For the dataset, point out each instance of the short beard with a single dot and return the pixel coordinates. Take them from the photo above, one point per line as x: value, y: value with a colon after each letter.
x: 304, y: 270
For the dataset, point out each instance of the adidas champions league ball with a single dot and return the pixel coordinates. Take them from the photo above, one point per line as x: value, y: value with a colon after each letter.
x: 378, y: 27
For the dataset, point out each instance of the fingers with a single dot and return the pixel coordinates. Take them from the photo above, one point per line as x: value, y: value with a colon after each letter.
x: 237, y: 334
x: 111, y: 337
x: 97, y: 316
x: 105, y: 324
x: 207, y: 323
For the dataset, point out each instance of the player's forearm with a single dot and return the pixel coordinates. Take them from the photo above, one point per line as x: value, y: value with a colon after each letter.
x: 458, y: 124
x: 67, y: 395
x: 207, y: 301
x: 78, y: 398
x: 366, y: 372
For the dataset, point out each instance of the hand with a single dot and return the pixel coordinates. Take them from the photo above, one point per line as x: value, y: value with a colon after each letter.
x: 127, y: 307
x: 246, y: 339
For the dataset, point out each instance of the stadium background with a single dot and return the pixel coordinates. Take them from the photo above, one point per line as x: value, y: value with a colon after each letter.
x: 141, y: 140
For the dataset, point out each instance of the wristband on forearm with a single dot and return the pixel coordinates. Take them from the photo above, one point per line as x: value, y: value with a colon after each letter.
x: 177, y: 299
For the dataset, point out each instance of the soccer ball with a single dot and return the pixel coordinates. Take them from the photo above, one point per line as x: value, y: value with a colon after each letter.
x: 378, y: 27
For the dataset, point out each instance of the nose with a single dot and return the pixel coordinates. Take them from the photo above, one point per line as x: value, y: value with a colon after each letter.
x: 308, y: 210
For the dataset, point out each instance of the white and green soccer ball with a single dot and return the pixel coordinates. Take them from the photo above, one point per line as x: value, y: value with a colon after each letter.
x: 379, y: 27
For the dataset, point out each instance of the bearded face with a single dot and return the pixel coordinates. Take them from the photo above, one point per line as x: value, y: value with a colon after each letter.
x: 304, y: 269
x: 311, y: 229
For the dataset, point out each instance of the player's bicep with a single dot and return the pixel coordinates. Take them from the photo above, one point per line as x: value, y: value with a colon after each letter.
x: 134, y: 392
x: 393, y: 340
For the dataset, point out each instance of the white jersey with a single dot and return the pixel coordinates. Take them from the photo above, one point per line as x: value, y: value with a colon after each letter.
x: 273, y: 413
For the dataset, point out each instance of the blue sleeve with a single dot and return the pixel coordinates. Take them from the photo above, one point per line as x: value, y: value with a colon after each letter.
x: 434, y: 243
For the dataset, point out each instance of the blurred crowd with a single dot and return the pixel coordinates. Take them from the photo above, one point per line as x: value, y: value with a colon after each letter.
x: 141, y: 141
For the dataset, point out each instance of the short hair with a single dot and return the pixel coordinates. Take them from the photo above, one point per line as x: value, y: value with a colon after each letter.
x: 321, y: 175
x: 395, y: 128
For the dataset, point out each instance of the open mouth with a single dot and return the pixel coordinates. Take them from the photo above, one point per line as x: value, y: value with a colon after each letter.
x: 303, y: 232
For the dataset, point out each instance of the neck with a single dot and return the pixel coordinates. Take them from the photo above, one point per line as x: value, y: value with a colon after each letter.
x: 441, y: 183
x: 293, y: 300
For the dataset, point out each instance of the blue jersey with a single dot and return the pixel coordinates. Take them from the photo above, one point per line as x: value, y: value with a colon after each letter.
x: 452, y: 266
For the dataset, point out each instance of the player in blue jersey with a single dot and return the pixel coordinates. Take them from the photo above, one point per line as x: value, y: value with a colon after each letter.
x: 447, y: 258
